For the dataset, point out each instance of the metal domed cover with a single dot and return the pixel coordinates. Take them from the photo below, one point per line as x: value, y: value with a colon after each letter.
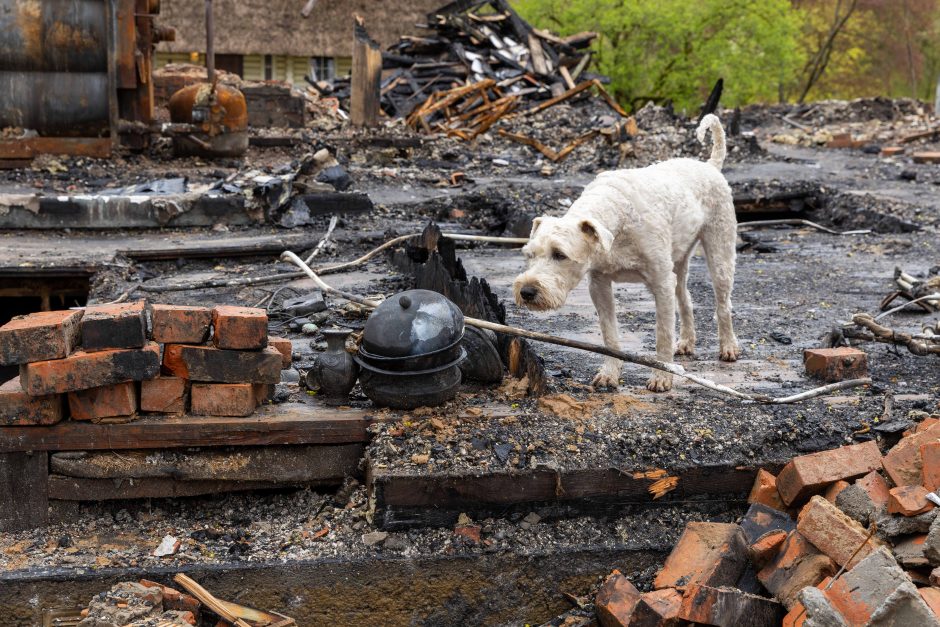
x: 414, y: 322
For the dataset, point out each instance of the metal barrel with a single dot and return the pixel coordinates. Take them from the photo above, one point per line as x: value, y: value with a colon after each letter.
x: 55, y: 103
x: 54, y: 35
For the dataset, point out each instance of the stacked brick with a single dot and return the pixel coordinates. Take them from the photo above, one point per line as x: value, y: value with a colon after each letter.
x: 102, y: 363
x: 839, y: 537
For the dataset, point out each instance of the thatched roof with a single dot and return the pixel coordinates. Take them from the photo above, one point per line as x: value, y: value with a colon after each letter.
x: 277, y: 27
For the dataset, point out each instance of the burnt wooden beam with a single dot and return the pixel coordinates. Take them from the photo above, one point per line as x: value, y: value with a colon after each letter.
x: 328, y: 203
x: 24, y: 500
x: 289, y: 423
x: 80, y: 489
x: 366, y: 78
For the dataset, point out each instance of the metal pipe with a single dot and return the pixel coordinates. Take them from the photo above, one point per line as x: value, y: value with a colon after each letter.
x: 210, y: 45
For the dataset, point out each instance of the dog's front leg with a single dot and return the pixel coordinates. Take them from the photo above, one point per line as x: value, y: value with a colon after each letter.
x: 602, y: 295
x: 664, y: 293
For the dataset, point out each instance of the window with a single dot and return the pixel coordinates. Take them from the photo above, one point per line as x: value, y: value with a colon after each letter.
x: 322, y: 68
x: 268, y: 67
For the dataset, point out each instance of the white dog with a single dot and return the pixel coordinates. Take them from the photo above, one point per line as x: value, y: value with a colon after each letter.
x: 641, y: 225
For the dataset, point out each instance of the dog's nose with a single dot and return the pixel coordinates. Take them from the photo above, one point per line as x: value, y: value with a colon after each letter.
x: 528, y: 293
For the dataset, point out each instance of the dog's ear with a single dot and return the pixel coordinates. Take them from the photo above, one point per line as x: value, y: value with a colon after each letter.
x: 535, y: 225
x: 598, y: 233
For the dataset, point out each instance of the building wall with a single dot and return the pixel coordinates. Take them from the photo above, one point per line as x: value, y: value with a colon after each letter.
x: 259, y: 67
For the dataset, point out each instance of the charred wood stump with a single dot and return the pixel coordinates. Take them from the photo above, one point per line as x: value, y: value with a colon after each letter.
x: 433, y: 263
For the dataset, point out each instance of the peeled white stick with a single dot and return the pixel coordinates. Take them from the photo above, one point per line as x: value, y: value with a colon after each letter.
x: 635, y: 358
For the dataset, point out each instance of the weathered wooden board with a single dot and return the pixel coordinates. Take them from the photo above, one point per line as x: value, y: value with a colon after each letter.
x: 78, y: 489
x: 288, y: 423
x: 24, y: 503
x: 402, y: 500
x: 278, y: 464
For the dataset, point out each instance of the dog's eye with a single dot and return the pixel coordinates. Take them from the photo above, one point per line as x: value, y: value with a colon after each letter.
x: 557, y: 255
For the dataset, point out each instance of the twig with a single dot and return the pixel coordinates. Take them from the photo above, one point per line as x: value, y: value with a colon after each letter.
x: 871, y: 533
x: 802, y: 127
x: 124, y: 295
x: 934, y: 296
x: 631, y: 357
x: 883, y: 334
x: 208, y: 600
x: 801, y: 222
x: 316, y: 249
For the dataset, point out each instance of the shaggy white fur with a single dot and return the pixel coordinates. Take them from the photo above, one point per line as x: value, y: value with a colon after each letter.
x: 641, y: 225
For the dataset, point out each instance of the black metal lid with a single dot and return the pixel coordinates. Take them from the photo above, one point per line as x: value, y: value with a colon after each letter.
x: 412, y: 323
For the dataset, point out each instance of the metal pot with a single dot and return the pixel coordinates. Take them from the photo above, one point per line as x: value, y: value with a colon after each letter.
x: 410, y: 390
x: 416, y: 322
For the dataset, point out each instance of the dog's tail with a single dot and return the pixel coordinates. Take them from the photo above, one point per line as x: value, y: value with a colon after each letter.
x: 711, y: 123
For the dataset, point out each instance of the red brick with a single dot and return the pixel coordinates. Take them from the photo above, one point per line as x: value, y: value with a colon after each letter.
x: 930, y: 465
x: 860, y: 591
x: 834, y: 533
x: 876, y: 487
x: 223, y: 399
x: 615, y: 601
x: 123, y: 325
x: 810, y: 474
x: 833, y: 490
x: 264, y: 392
x: 166, y: 395
x: 797, y: 565
x: 174, y: 599
x: 17, y: 408
x: 890, y: 151
x: 926, y: 157
x: 239, y: 328
x: 728, y: 606
x: 470, y: 532
x: 797, y: 614
x: 835, y: 364
x: 82, y: 370
x: 909, y: 500
x: 765, y: 492
x: 104, y: 402
x: 903, y: 462
x: 707, y: 553
x: 659, y: 608
x: 766, y: 547
x: 180, y: 324
x: 39, y: 336
x: 214, y: 365
x: 931, y: 597
x: 285, y: 348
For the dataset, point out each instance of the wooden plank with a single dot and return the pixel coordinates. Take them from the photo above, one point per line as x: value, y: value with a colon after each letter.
x: 328, y: 203
x: 438, y: 498
x: 29, y: 147
x: 288, y: 423
x: 232, y: 247
x: 366, y: 78
x: 24, y: 501
x: 276, y: 464
x: 78, y: 489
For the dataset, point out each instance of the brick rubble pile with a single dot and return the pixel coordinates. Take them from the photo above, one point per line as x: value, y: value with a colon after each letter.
x: 843, y: 537
x: 109, y: 362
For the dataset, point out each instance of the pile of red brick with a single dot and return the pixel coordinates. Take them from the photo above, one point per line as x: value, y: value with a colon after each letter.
x: 839, y: 537
x: 107, y: 364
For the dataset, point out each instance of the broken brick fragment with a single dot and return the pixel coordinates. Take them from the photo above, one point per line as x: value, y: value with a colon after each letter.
x: 876, y: 487
x: 931, y: 597
x: 106, y: 401
x: 797, y: 565
x: 659, y: 608
x: 765, y: 492
x: 728, y: 606
x: 811, y: 474
x: 862, y: 590
x: 766, y: 547
x: 707, y: 553
x: 122, y: 325
x: 759, y: 519
x: 615, y: 601
x: 82, y: 370
x: 174, y: 599
x: 891, y: 151
x: 285, y: 348
x: 39, y: 336
x: 469, y: 532
x: 222, y: 399
x: 834, y: 533
x: 17, y: 408
x: 180, y: 324
x: 239, y: 328
x: 214, y: 365
x: 835, y: 364
x: 833, y: 490
x: 166, y: 395
x: 264, y: 392
x: 909, y: 500
x: 903, y: 462
x: 930, y: 465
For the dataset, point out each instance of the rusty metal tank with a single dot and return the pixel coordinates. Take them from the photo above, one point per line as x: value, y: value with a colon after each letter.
x: 221, y: 117
x: 54, y: 66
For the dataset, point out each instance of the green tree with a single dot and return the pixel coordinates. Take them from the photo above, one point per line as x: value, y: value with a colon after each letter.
x: 675, y: 49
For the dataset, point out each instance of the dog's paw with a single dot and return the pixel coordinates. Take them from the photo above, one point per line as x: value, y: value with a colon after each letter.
x: 686, y: 347
x: 730, y: 352
x: 605, y: 379
x: 659, y: 382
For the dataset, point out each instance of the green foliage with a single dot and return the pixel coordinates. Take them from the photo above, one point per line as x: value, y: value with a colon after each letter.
x: 676, y: 49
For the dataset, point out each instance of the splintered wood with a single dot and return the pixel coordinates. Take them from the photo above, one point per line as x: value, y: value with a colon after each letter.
x: 464, y: 112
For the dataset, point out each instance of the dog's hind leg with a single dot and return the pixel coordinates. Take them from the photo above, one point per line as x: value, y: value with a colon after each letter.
x: 686, y: 345
x: 602, y: 295
x: 663, y: 288
x: 718, y: 240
